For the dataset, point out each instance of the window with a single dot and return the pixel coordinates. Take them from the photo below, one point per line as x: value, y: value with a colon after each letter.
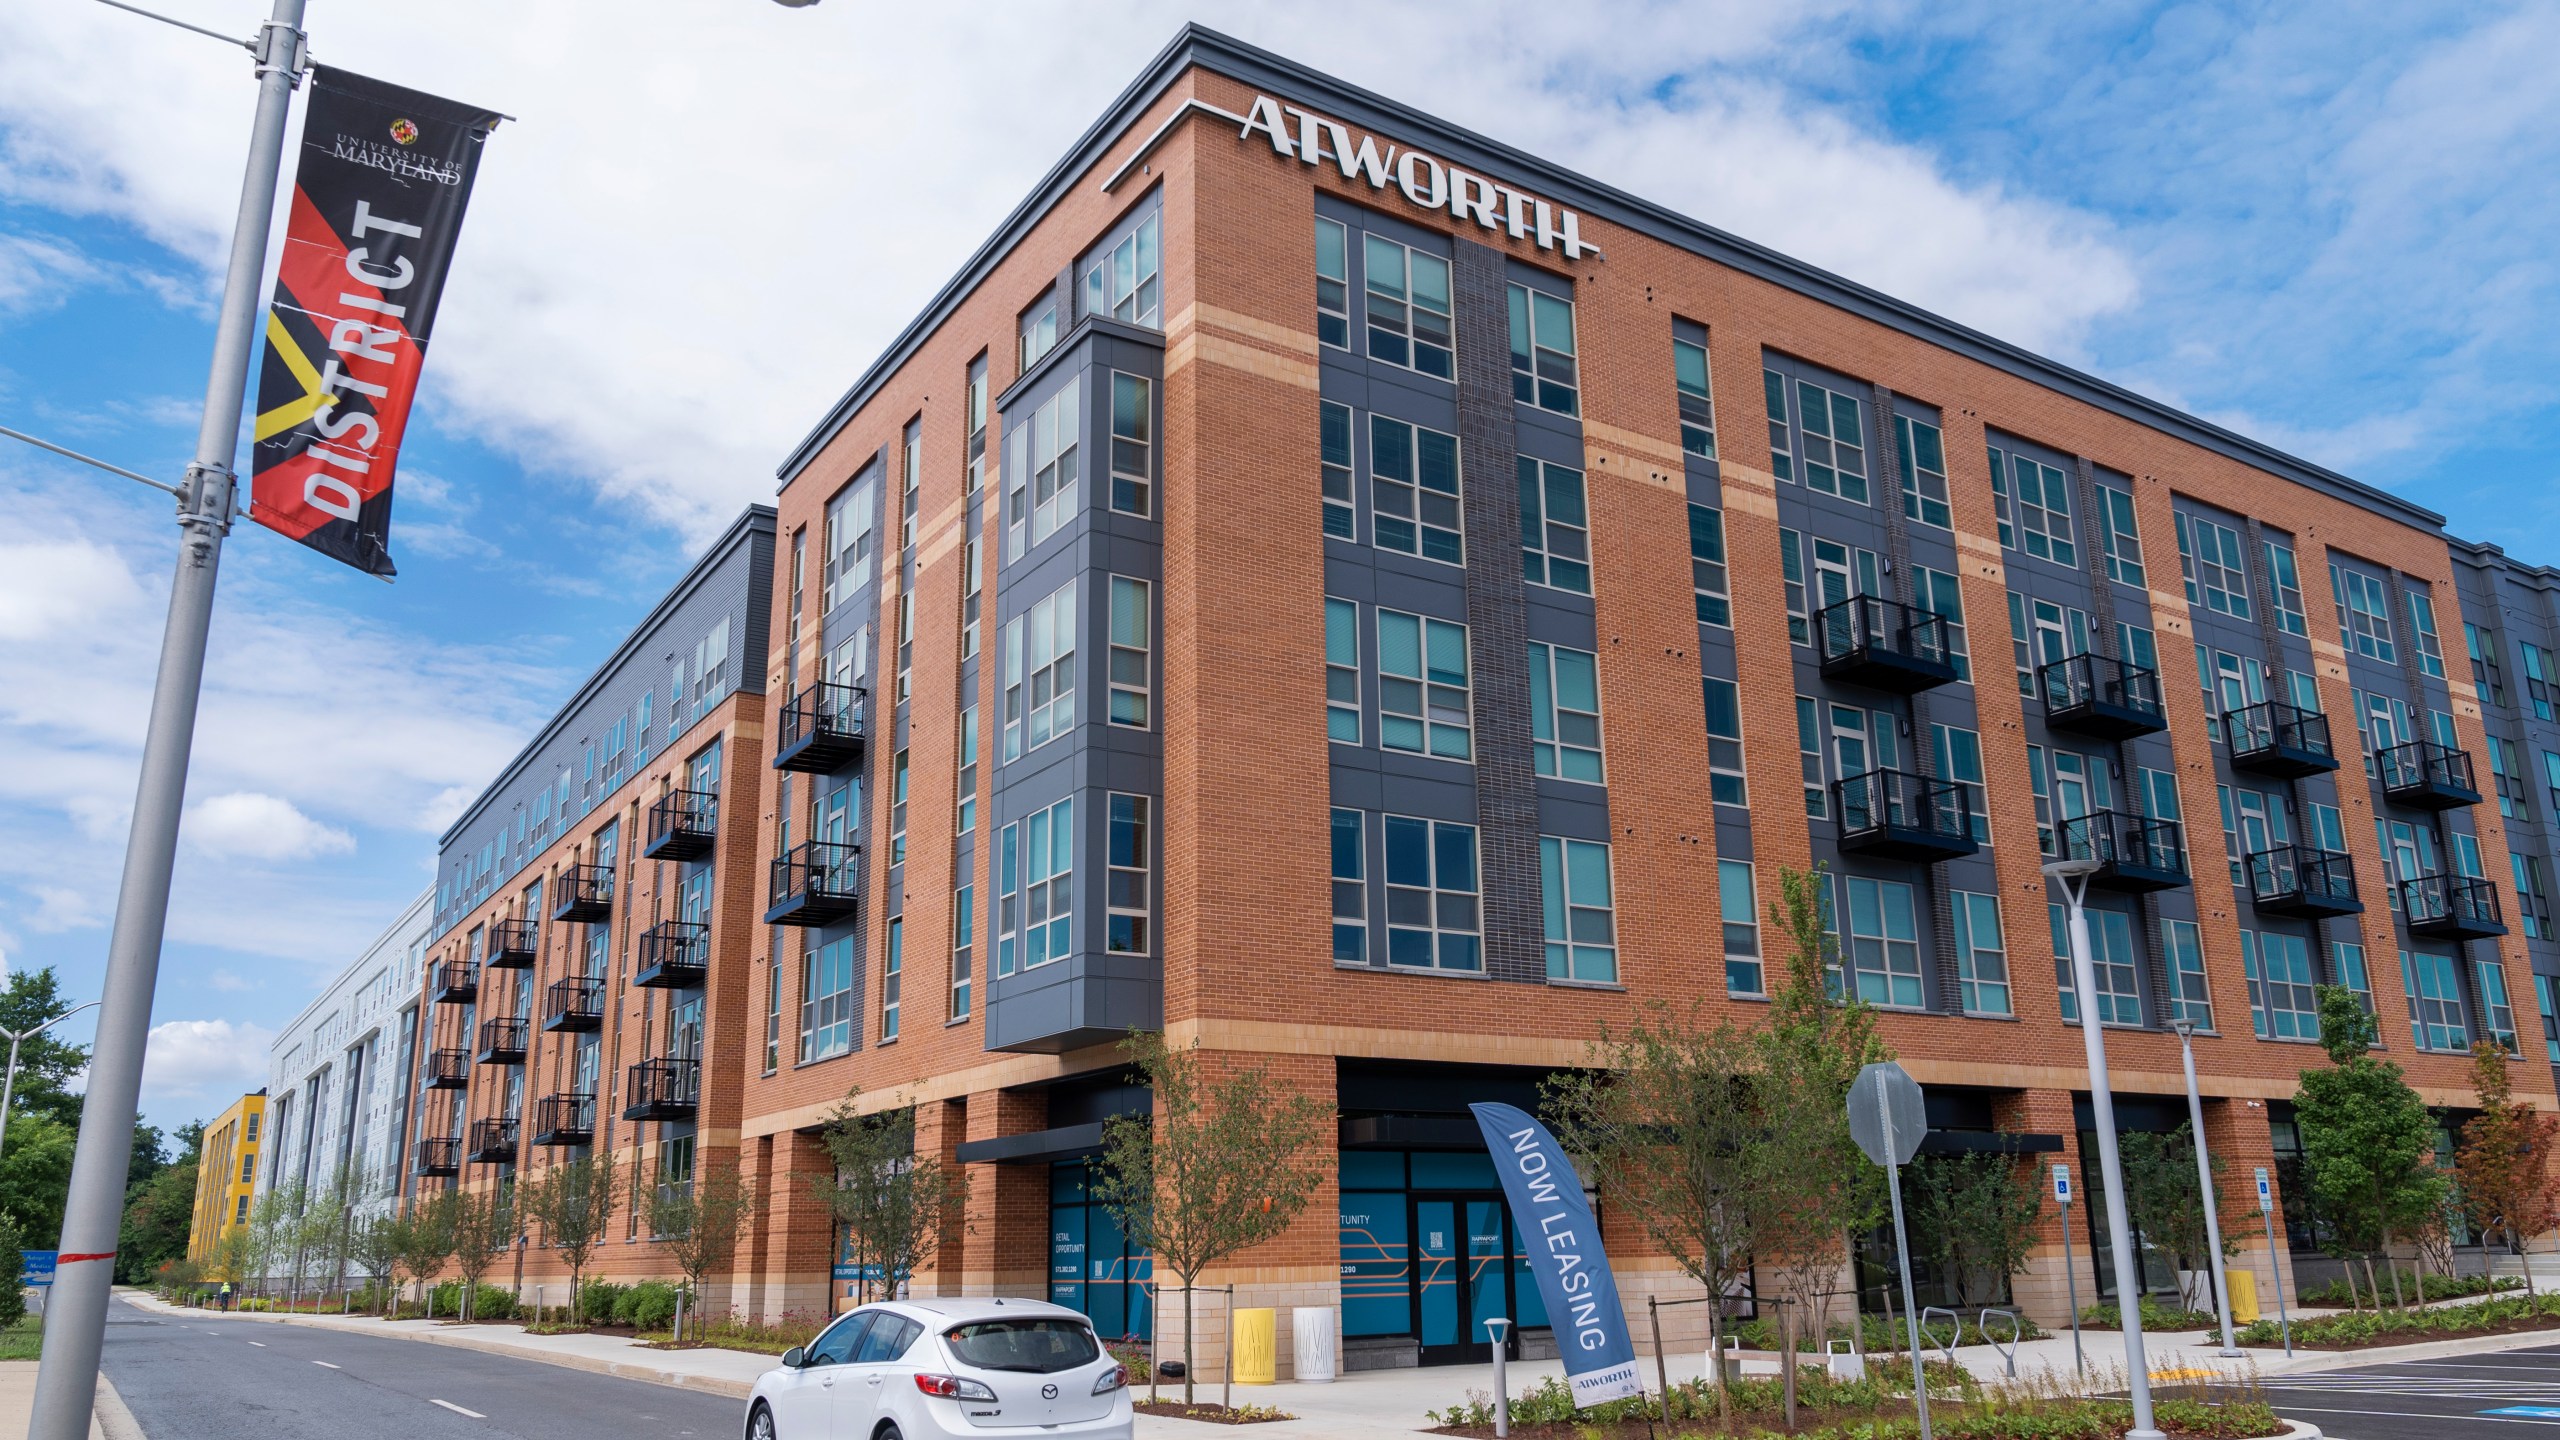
x: 1341, y: 671
x: 1582, y: 943
x: 1828, y: 452
x: 1791, y: 573
x: 1542, y: 371
x: 2422, y: 633
x: 1555, y: 530
x: 2190, y: 999
x: 2284, y: 582
x: 910, y: 480
x: 1040, y: 672
x: 1035, y: 908
x: 1333, y: 284
x: 1422, y: 686
x: 975, y: 478
x: 1884, y: 942
x: 2110, y: 960
x: 826, y: 1000
x: 2348, y: 961
x: 1350, y: 890
x: 2541, y: 679
x: 1122, y: 282
x: 964, y: 935
x: 1040, y: 484
x: 2118, y: 537
x: 1129, y: 650
x: 1414, y: 497
x: 2364, y: 613
x: 966, y: 811
x: 1707, y: 573
x: 891, y: 969
x: 1725, y: 778
x: 2486, y: 672
x: 2034, y: 503
x: 1741, y: 909
x: 1924, y: 471
x: 2210, y: 556
x: 1431, y: 895
x: 2533, y: 895
x: 1131, y: 859
x: 1697, y: 398
x: 898, y: 808
x: 2435, y: 1007
x: 1039, y: 332
x: 1982, y: 965
x: 1809, y: 757
x: 242, y: 1216
x: 248, y: 1168
x: 906, y: 642
x: 1937, y: 592
x: 848, y: 563
x: 972, y: 594
x: 1408, y: 294
x: 1564, y: 713
x: 1959, y: 756
x: 1341, y: 519
x: 2546, y: 995
x: 2551, y: 778
x: 2500, y: 1017
x: 1132, y: 432
x: 2278, y: 967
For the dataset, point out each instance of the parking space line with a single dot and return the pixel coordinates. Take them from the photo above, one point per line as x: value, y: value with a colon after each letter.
x: 2404, y: 1414
x: 458, y: 1410
x: 324, y: 1364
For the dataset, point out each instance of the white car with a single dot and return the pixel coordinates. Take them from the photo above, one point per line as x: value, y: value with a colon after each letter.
x: 976, y: 1369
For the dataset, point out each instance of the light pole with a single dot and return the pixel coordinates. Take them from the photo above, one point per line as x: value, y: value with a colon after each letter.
x: 2072, y: 877
x: 2204, y: 1181
x: 9, y: 1088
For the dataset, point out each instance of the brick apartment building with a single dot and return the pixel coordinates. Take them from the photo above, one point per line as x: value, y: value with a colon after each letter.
x: 1640, y: 563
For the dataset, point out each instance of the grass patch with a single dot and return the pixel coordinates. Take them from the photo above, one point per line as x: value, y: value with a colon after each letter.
x: 23, y: 1341
x: 2359, y: 1330
x: 2155, y: 1316
x: 2428, y: 1287
x: 1213, y: 1413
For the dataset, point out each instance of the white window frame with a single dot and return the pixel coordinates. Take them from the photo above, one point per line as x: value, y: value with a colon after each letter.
x: 1978, y: 936
x: 1342, y: 698
x: 1440, y: 899
x: 1552, y: 754
x: 1533, y: 368
x: 1406, y: 312
x: 1430, y: 698
x: 1133, y: 429
x: 1132, y: 660
x: 1124, y: 878
x: 1404, y: 501
x: 1048, y: 629
x: 1569, y: 913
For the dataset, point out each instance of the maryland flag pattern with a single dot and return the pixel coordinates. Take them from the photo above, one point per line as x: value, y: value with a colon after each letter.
x: 378, y: 198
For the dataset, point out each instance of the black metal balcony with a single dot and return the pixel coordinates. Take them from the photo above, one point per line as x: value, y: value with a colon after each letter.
x: 681, y: 825
x: 2134, y: 854
x: 2280, y: 740
x: 502, y: 1042
x: 449, y: 1069
x: 585, y: 894
x: 1884, y: 645
x: 1896, y: 815
x: 2302, y: 882
x: 663, y: 1090
x: 2424, y: 775
x: 815, y: 883
x: 456, y: 982
x: 512, y: 943
x: 493, y: 1142
x: 575, y: 1005
x: 822, y: 729
x: 2101, y: 696
x: 2452, y: 907
x: 440, y: 1157
x: 674, y: 955
x: 564, y: 1120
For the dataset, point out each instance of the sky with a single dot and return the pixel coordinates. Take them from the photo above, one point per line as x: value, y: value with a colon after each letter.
x: 2331, y: 228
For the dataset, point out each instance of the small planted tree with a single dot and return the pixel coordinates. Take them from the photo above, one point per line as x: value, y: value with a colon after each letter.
x: 2504, y: 1160
x: 1225, y: 1163
x: 2368, y: 1144
x: 484, y: 1226
x: 426, y: 1239
x: 699, y: 1222
x: 574, y: 1201
x: 1975, y: 1217
x: 273, y: 1223
x: 374, y: 1244
x: 891, y: 1201
x: 2163, y: 1201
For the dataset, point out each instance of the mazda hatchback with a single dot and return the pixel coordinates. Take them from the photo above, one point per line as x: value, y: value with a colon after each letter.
x: 946, y: 1370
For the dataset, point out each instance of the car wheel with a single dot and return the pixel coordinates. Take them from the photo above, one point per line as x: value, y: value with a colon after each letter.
x: 890, y: 1431
x: 760, y: 1423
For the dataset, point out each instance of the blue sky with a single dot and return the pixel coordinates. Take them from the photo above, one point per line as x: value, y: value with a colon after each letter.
x: 2332, y: 229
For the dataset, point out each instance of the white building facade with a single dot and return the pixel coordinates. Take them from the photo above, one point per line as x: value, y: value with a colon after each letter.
x: 340, y: 1076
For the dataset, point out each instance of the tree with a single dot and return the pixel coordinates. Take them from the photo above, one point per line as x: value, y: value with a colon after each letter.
x: 2368, y: 1143
x: 426, y: 1237
x: 13, y: 1260
x: 891, y: 1201
x: 374, y: 1243
x: 574, y: 1201
x: 484, y: 1226
x: 1975, y: 1217
x: 2504, y: 1160
x: 1226, y: 1164
x: 47, y: 1063
x: 699, y: 1222
x: 229, y: 1260
x: 2165, y: 1204
x: 156, y: 1217
x: 35, y: 1173
x: 273, y: 1223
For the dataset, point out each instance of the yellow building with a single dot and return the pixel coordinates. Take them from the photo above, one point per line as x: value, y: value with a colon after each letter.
x: 227, y: 1173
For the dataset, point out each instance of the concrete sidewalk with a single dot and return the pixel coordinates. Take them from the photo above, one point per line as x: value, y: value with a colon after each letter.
x: 108, y: 1420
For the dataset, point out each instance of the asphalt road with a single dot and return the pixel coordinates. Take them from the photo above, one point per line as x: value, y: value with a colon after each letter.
x: 199, y: 1377
x: 2508, y: 1395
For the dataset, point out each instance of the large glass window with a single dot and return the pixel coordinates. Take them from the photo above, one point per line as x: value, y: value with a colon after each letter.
x: 1725, y: 776
x: 1690, y: 379
x: 2034, y: 504
x: 1414, y: 497
x: 826, y: 1000
x: 1040, y: 672
x: 2284, y: 580
x: 1582, y: 941
x: 892, y: 976
x: 1740, y: 906
x: 2364, y: 613
x: 2281, y: 1004
x: 964, y: 938
x: 1422, y: 686
x: 849, y: 543
x: 1130, y: 675
x: 2422, y: 633
x: 1959, y: 756
x: 1408, y: 295
x: 2210, y: 556
x: 2435, y: 1002
x: 1542, y: 368
x: 965, y: 817
x: 1035, y: 909
x: 1564, y: 713
x: 2190, y: 998
x: 1432, y: 889
x: 1341, y: 671
x: 1131, y: 861
x: 1982, y: 962
x: 1040, y: 483
x: 1924, y: 471
x: 2110, y: 957
x: 1350, y: 889
x: 1555, y: 527
x: 1828, y: 449
x: 1707, y: 572
x: 1132, y: 444
x: 1333, y: 284
x: 1122, y: 282
x: 1341, y: 517
x: 1884, y: 942
x: 2118, y: 535
x: 2500, y: 1018
x: 1939, y: 595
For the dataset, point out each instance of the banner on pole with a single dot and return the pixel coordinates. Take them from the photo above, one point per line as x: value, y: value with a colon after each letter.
x: 1563, y: 1240
x: 377, y: 203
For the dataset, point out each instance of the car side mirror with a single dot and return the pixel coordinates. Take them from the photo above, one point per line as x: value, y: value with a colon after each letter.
x: 794, y: 1358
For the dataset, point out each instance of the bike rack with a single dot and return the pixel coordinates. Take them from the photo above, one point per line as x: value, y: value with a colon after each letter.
x: 2008, y: 1348
x: 1841, y: 1357
x: 1947, y: 1351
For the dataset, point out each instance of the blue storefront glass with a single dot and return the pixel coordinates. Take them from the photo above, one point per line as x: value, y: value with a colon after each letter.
x: 1092, y: 1266
x: 1428, y: 1249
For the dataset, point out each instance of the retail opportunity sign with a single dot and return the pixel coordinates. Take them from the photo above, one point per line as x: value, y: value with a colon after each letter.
x: 1563, y: 1240
x: 377, y: 204
x: 1427, y: 183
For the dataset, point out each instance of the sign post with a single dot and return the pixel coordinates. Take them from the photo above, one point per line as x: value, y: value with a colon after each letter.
x: 2275, y: 1269
x: 1888, y: 1118
x: 2070, y: 1272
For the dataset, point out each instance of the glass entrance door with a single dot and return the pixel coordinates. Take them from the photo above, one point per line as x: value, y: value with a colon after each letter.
x: 1470, y: 1267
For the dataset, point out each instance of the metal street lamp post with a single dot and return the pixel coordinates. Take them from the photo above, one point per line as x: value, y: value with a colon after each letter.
x: 2204, y: 1181
x: 9, y: 1088
x: 2072, y: 877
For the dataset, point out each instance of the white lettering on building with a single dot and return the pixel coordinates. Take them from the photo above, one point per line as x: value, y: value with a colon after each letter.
x: 1426, y: 183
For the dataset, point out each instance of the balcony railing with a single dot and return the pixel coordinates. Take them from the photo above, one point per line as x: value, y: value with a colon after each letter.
x: 502, y: 1042
x: 512, y: 944
x: 440, y: 1157
x: 1896, y: 815
x: 822, y: 729
x: 576, y: 1004
x: 2133, y: 853
x: 493, y: 1142
x: 2424, y: 775
x: 456, y: 982
x: 1884, y: 645
x: 449, y: 1069
x: 2101, y: 696
x: 564, y: 1120
x: 662, y: 1090
x: 815, y: 883
x: 2300, y: 881
x: 681, y: 825
x: 585, y: 894
x: 2280, y: 740
x: 674, y: 955
x: 2452, y: 907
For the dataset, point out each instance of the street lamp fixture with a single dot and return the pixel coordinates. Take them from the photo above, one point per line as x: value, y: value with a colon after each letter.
x: 9, y: 1088
x: 2186, y: 1029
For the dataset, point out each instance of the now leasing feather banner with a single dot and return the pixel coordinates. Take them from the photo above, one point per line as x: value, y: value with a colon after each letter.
x: 1563, y: 1250
x: 377, y: 203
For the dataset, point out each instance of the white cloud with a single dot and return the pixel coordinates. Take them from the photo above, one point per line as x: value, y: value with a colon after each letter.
x: 37, y: 274
x: 203, y: 1058
x: 48, y: 585
x: 260, y: 827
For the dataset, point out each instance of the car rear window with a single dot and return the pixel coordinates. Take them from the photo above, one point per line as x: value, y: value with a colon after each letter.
x: 1035, y: 1346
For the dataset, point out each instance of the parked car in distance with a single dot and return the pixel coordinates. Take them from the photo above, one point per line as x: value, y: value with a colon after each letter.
x: 960, y: 1369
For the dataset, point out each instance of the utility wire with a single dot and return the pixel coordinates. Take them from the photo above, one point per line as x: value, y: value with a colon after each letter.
x: 249, y: 45
x: 161, y: 485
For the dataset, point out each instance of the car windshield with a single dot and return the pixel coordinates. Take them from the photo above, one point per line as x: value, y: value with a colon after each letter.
x: 1039, y: 1347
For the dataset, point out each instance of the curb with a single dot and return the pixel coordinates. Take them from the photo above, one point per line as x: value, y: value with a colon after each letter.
x: 2310, y: 1362
x: 2299, y: 1430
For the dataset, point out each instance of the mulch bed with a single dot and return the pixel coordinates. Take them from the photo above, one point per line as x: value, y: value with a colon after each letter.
x: 1746, y: 1423
x: 1216, y: 1414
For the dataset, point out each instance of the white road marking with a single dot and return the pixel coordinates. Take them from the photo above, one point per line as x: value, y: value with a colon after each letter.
x: 261, y: 1344
x: 458, y: 1410
x: 2420, y: 1415
x: 324, y: 1364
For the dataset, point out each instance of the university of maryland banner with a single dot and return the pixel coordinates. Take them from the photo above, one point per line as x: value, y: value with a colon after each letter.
x: 377, y: 201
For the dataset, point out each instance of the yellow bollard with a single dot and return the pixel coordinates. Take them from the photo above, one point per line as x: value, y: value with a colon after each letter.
x: 1257, y: 1346
x: 2244, y: 1296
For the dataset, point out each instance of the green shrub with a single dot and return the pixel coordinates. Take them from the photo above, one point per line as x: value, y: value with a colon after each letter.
x: 493, y: 1302
x: 13, y: 1300
x: 2367, y: 1326
x: 653, y: 1305
x: 2428, y: 1287
x: 596, y: 1301
x: 2155, y: 1316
